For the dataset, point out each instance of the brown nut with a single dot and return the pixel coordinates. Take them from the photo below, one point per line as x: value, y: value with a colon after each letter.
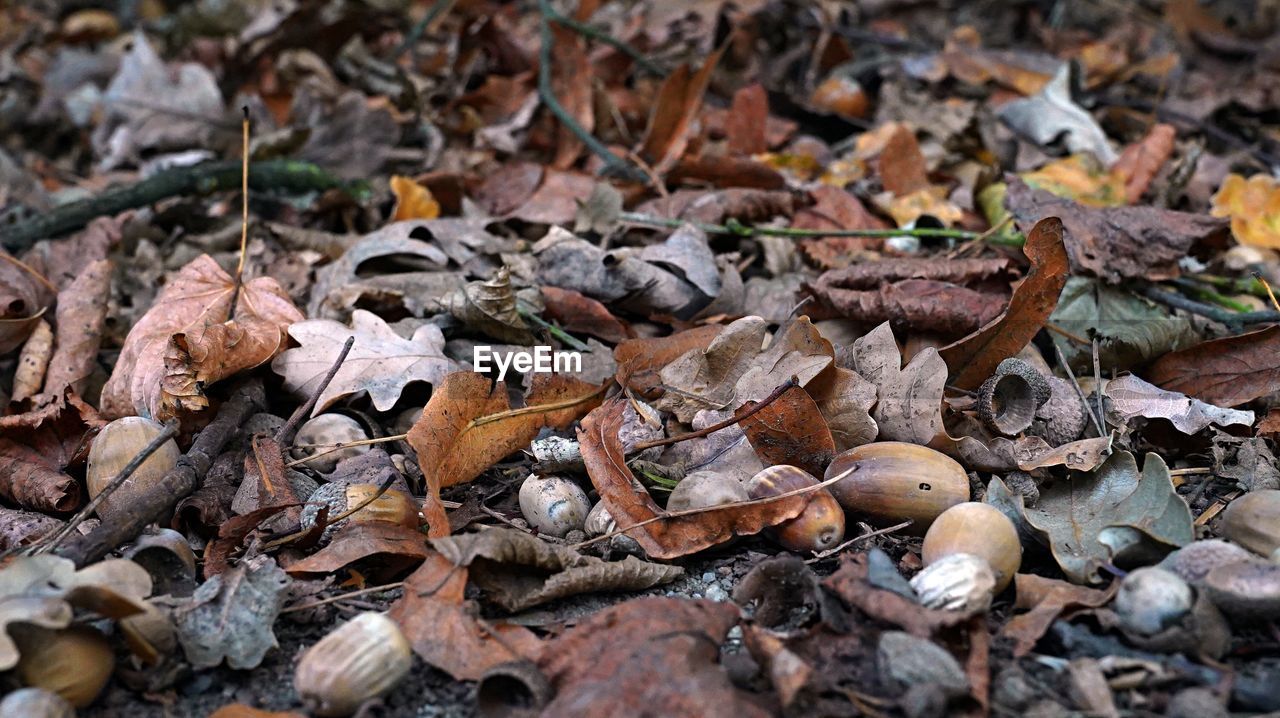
x: 359, y: 660
x: 113, y: 448
x: 978, y: 529
x: 1253, y: 521
x: 702, y: 489
x: 894, y: 481
x: 819, y: 527
x: 75, y: 662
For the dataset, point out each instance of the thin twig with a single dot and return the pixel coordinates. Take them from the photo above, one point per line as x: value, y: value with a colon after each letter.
x: 743, y: 230
x: 872, y: 534
x: 1097, y: 382
x: 1235, y: 321
x: 571, y: 341
x: 1066, y: 334
x: 592, y: 33
x: 343, y: 597
x: 415, y: 33
x: 1208, y: 294
x: 1267, y: 286
x: 773, y: 396
x: 299, y: 415
x: 170, y: 430
x: 244, y: 213
x: 613, y: 163
x: 339, y: 446
x: 1084, y: 401
x: 535, y: 409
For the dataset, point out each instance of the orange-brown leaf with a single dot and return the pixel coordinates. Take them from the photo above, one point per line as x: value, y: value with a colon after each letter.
x: 745, y: 123
x: 571, y: 81
x: 1140, y: 161
x: 677, y: 105
x: 413, y: 201
x: 640, y: 360
x: 790, y: 430
x: 1225, y: 372
x: 1254, y: 208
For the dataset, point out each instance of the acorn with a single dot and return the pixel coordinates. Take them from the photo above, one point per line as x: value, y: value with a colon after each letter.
x: 393, y: 506
x: 553, y: 504
x: 894, y: 481
x: 319, y: 436
x: 1151, y: 599
x: 1253, y: 521
x: 819, y: 527
x: 956, y: 582
x: 356, y: 662
x: 36, y: 703
x: 74, y: 663
x: 703, y: 489
x: 978, y: 529
x: 113, y: 448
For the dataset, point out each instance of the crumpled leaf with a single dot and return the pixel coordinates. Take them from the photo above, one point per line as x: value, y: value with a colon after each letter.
x: 1051, y: 114
x: 853, y: 584
x: 36, y: 448
x: 1079, y: 455
x: 910, y: 398
x: 846, y: 404
x: 611, y: 659
x: 575, y: 312
x: 1111, y: 515
x: 82, y: 313
x: 1116, y: 243
x: 23, y: 300
x: 1225, y: 372
x: 1141, y: 161
x: 629, y: 504
x: 489, y: 307
x: 1248, y: 461
x: 230, y: 616
x: 641, y: 360
x: 726, y: 452
x: 1130, y: 330
x: 468, y: 426
x: 187, y: 340
x: 380, y: 362
x: 1049, y: 599
x: 449, y: 635
x: 1253, y: 206
x: 953, y: 298
x: 974, y: 358
x: 518, y: 570
x: 790, y: 430
x: 413, y: 201
x: 394, y: 547
x: 1131, y: 396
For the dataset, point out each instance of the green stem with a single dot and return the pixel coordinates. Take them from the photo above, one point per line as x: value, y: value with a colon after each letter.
x: 204, y: 178
x: 557, y: 332
x: 1206, y: 294
x: 742, y: 230
x: 1234, y: 285
x: 614, y: 164
x: 592, y: 33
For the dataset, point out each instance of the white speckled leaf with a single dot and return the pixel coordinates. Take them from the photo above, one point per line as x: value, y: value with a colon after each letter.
x: 230, y: 615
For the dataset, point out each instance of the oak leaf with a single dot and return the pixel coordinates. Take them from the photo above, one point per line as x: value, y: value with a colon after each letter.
x: 381, y: 362
x: 910, y: 397
x: 188, y: 340
x: 674, y: 111
x: 1225, y: 372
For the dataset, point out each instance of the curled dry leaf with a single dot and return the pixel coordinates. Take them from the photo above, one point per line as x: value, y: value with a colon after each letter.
x: 518, y: 570
x: 1048, y: 600
x: 972, y: 359
x: 394, y: 548
x: 23, y: 300
x: 674, y: 111
x: 413, y: 201
x: 37, y: 447
x: 641, y: 360
x: 1141, y: 161
x: 669, y: 536
x: 576, y: 312
x: 380, y: 362
x: 490, y: 307
x: 468, y: 426
x: 33, y: 361
x: 82, y: 313
x: 230, y: 616
x: 1225, y: 372
x: 1131, y: 397
x: 188, y: 340
x: 442, y: 630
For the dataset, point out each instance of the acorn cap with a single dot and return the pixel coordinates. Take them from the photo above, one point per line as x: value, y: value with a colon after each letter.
x: 1008, y: 400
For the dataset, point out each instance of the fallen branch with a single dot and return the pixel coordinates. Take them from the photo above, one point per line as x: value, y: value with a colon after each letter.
x: 181, y: 480
x: 1235, y: 321
x: 204, y: 178
x: 745, y: 230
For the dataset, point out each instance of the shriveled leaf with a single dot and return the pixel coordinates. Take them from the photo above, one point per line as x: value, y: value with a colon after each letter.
x: 489, y: 307
x: 82, y: 313
x: 854, y: 585
x: 1249, y: 461
x: 35, y: 450
x: 575, y: 312
x: 1049, y: 599
x: 673, y: 114
x: 1132, y: 397
x: 33, y: 361
x: 448, y: 635
x: 1140, y: 162
x: 790, y: 430
x: 468, y: 426
x: 1051, y: 115
x: 230, y: 616
x: 187, y: 340
x: 23, y: 300
x: 381, y: 362
x: 1225, y: 372
x: 1079, y: 455
x: 972, y: 359
x: 413, y: 201
x: 1130, y: 330
x: 910, y: 398
x: 671, y: 536
x: 518, y: 570
x: 1151, y: 521
x: 1253, y: 206
x: 641, y: 360
x: 394, y: 548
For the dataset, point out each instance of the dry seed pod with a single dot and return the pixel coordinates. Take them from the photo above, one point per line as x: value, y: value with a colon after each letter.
x: 1008, y: 400
x: 553, y: 504
x: 74, y: 663
x: 167, y: 556
x: 359, y: 660
x: 894, y: 481
x: 703, y: 489
x: 318, y: 437
x: 958, y: 582
x: 1253, y: 521
x: 113, y: 448
x: 819, y: 527
x: 36, y: 703
x: 978, y: 529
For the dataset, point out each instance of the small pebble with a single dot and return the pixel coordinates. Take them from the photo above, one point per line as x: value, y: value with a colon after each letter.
x: 715, y: 593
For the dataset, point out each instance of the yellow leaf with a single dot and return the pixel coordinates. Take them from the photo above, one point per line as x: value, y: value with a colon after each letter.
x: 413, y: 201
x: 931, y: 201
x: 1079, y: 178
x: 1254, y: 208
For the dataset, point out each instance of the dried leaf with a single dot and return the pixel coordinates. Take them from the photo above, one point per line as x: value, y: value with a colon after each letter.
x: 37, y: 447
x: 1051, y: 115
x: 571, y: 81
x: 746, y: 120
x: 468, y: 426
x: 518, y: 570
x: 413, y: 201
x: 23, y: 300
x: 489, y: 307
x: 835, y: 208
x: 380, y: 362
x: 1130, y: 330
x: 449, y: 636
x: 575, y: 312
x: 901, y: 165
x: 674, y: 111
x: 240, y: 710
x: 1248, y: 461
x: 629, y: 504
x: 852, y: 584
x: 1141, y: 161
x: 187, y: 340
x: 910, y: 398
x: 20, y: 528
x: 393, y: 548
x: 1225, y: 372
x: 231, y: 535
x: 1080, y: 178
x: 790, y: 430
x: 787, y: 672
x: 1048, y: 600
x: 33, y: 361
x: 1080, y: 455
x: 1131, y: 396
x: 974, y: 358
x: 1253, y: 206
x: 846, y: 405
x: 640, y: 360
x: 82, y: 313
x: 230, y: 616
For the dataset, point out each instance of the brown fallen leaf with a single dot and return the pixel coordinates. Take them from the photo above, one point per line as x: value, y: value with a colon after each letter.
x: 1079, y: 455
x: 1115, y: 243
x: 611, y: 659
x: 1048, y: 599
x: 671, y: 536
x: 835, y: 208
x: 24, y: 297
x: 787, y: 672
x: 972, y: 359
x: 746, y: 120
x: 445, y: 633
x: 1226, y: 372
x: 82, y: 313
x: 188, y: 340
x: 640, y: 360
x: 900, y: 164
x: 240, y: 710
x: 265, y: 483
x: 518, y: 570
x: 571, y: 81
x: 231, y: 534
x: 413, y: 201
x: 910, y: 397
x: 845, y: 402
x: 468, y: 426
x: 19, y: 528
x: 489, y: 307
x: 33, y: 362
x: 790, y: 430
x: 36, y: 448
x: 62, y: 260
x: 674, y: 111
x: 384, y: 549
x: 743, y: 204
x: 851, y: 585
x: 576, y: 312
x: 1140, y: 161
